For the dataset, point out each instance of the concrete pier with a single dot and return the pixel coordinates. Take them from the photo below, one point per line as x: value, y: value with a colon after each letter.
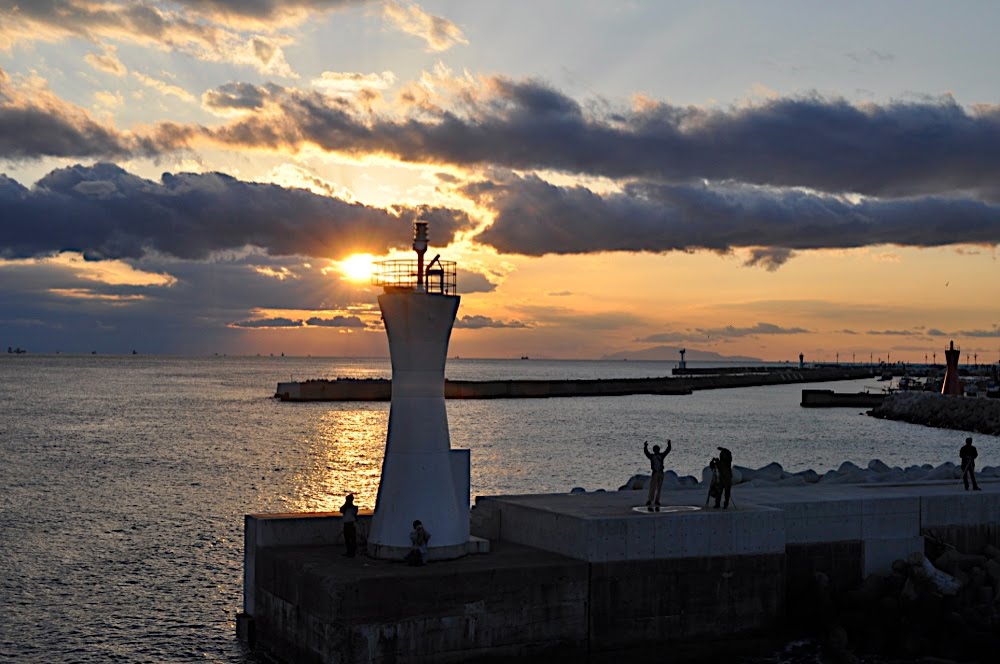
x: 591, y: 576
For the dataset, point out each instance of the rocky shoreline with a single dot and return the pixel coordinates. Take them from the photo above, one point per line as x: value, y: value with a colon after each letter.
x: 940, y: 411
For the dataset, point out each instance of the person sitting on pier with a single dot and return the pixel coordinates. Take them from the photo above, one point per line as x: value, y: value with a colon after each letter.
x: 418, y: 541
x: 725, y: 466
x: 349, y: 515
x: 969, y: 454
x: 656, y: 458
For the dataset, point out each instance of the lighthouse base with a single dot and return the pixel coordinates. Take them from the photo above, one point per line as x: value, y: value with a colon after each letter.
x: 474, y: 545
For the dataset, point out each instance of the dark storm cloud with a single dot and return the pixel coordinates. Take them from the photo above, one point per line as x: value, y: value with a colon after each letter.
x: 479, y: 322
x: 105, y: 212
x: 336, y: 321
x: 898, y: 148
x: 535, y: 218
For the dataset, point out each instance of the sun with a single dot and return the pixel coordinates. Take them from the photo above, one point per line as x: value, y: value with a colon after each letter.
x: 358, y: 267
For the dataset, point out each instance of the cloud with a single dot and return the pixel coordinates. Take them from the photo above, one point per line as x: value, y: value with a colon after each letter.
x: 476, y: 322
x: 163, y: 87
x: 564, y: 293
x: 338, y: 82
x: 981, y: 333
x: 258, y: 323
x: 106, y: 212
x: 896, y: 333
x: 474, y: 282
x: 146, y: 24
x: 830, y: 145
x: 534, y: 217
x: 36, y: 123
x: 264, y: 13
x: 870, y: 56
x: 439, y: 33
x: 726, y: 332
x: 336, y: 321
x: 107, y: 61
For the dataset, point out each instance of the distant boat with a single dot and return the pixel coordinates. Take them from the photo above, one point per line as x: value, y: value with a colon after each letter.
x: 525, y: 357
x: 885, y: 376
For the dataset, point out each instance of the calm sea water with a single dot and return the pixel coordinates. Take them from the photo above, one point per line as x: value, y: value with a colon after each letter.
x: 125, y: 479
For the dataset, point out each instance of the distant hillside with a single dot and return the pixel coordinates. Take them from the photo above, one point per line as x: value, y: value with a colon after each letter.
x: 673, y: 353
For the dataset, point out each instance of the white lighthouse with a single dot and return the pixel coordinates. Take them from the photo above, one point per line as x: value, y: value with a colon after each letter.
x: 422, y: 477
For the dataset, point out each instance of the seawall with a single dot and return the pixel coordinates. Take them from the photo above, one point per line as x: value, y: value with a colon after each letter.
x: 381, y: 390
x: 592, y: 577
x: 977, y: 414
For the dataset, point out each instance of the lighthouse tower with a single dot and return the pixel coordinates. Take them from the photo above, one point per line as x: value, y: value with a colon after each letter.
x: 952, y: 383
x: 422, y: 477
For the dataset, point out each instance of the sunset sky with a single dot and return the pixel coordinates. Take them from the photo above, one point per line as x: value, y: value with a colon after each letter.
x: 755, y: 179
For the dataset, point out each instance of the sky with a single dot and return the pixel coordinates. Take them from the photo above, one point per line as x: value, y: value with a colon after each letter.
x: 614, y: 179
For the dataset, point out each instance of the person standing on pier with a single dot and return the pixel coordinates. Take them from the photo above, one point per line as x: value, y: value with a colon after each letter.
x: 969, y: 454
x: 725, y: 467
x: 349, y: 517
x: 656, y: 458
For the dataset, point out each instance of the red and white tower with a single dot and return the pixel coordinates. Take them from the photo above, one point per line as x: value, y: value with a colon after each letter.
x: 952, y: 383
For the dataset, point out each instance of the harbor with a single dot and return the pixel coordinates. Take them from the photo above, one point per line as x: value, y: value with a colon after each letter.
x: 592, y: 576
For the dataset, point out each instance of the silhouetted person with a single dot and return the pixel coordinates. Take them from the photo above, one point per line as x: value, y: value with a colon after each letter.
x: 349, y: 517
x: 715, y: 487
x: 725, y: 466
x: 418, y: 543
x: 656, y: 458
x: 969, y: 454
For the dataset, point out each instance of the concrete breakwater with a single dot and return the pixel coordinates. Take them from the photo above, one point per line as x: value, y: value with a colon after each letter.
x: 591, y: 577
x: 944, y: 412
x: 831, y: 399
x: 347, y: 389
x: 773, y: 475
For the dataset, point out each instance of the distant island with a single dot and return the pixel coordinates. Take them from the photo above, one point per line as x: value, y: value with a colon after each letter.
x: 673, y: 353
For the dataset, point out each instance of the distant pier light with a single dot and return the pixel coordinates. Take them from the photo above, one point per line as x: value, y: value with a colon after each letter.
x: 802, y: 361
x: 683, y: 364
x: 952, y: 384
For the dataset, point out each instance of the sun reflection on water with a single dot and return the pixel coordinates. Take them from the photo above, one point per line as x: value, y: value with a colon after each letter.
x: 346, y: 450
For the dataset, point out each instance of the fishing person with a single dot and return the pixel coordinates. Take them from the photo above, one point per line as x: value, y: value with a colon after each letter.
x: 968, y: 453
x: 725, y: 467
x: 656, y: 458
x: 715, y: 487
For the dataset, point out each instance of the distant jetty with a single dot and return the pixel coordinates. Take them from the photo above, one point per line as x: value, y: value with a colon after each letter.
x: 831, y: 399
x: 977, y: 414
x: 380, y: 389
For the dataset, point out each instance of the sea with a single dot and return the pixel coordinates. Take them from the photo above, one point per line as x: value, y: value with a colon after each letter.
x: 124, y: 479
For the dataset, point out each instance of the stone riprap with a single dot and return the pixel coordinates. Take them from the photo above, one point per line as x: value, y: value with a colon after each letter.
x: 943, y: 412
x: 773, y: 475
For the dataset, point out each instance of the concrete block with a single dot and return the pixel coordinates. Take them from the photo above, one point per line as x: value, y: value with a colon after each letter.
x: 959, y: 509
x: 887, y: 517
x: 879, y: 554
x: 606, y: 539
x: 640, y: 538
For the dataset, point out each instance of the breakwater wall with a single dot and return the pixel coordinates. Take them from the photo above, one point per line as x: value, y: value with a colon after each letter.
x: 381, y: 389
x: 831, y: 399
x: 944, y: 412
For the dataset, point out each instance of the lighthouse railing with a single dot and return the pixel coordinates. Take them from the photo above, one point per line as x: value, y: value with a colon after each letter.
x: 440, y: 276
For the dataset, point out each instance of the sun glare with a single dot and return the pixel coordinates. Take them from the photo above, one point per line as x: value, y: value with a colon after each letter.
x: 358, y: 267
